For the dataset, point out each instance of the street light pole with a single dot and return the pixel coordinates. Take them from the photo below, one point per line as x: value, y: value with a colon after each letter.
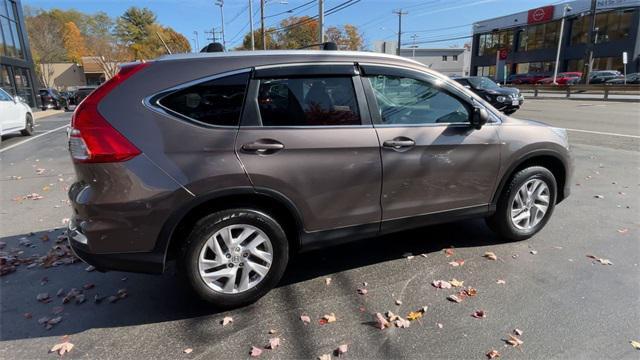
x: 253, y: 43
x: 221, y: 4
x: 197, y: 44
x: 399, y: 13
x: 264, y: 35
x: 564, y: 15
x: 320, y: 21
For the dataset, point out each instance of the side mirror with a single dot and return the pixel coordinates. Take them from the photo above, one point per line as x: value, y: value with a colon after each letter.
x: 468, y: 86
x: 19, y: 99
x: 479, y: 118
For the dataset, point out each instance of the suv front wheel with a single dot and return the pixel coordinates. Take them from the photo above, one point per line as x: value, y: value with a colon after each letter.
x: 234, y: 257
x: 525, y: 205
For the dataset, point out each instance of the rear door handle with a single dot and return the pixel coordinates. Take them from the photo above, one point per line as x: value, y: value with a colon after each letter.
x: 263, y: 146
x: 399, y: 143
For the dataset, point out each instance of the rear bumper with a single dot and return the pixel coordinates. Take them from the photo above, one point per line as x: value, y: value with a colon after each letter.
x: 149, y: 262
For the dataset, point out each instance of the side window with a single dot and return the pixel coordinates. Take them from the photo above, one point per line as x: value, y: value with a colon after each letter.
x: 215, y: 102
x: 317, y: 101
x: 4, y: 96
x: 412, y: 102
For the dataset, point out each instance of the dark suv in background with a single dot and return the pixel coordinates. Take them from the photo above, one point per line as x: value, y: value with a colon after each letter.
x: 51, y: 98
x: 506, y: 99
x: 230, y: 163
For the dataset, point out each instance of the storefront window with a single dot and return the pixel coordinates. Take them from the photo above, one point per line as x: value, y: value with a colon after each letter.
x: 489, y: 71
x: 10, y: 44
x: 23, y: 85
x: 601, y: 63
x: 535, y: 67
x: 543, y: 36
x: 489, y: 44
x: 611, y: 26
x: 5, y: 79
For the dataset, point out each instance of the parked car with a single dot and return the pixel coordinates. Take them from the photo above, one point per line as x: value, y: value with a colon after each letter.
x: 505, y: 99
x: 563, y: 78
x: 15, y: 115
x: 82, y: 93
x: 51, y: 98
x: 602, y: 76
x: 633, y: 78
x: 229, y: 163
x: 528, y: 78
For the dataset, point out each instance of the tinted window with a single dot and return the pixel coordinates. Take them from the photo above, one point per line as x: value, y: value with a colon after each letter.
x: 4, y: 96
x: 321, y: 101
x: 409, y: 101
x: 215, y: 102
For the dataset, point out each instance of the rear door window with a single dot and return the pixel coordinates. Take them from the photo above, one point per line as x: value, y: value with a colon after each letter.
x: 314, y: 101
x: 214, y: 102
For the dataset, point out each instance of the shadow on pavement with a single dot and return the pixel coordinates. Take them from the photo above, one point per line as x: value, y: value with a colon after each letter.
x: 153, y: 299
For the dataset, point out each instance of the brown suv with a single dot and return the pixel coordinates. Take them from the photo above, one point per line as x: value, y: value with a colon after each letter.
x: 231, y: 162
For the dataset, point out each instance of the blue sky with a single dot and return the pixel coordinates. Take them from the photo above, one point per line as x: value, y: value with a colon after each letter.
x: 429, y: 20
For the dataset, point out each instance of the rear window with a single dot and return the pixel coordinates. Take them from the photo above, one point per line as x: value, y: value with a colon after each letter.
x: 214, y: 102
x: 317, y: 101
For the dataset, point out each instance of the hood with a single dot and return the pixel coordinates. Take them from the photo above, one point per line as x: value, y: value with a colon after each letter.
x: 514, y: 121
x: 503, y: 91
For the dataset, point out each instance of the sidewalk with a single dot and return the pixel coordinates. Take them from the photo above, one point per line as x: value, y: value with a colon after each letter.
x: 37, y: 115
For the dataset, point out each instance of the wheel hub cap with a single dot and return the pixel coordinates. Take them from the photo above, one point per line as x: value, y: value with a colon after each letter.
x: 530, y: 204
x: 235, y: 259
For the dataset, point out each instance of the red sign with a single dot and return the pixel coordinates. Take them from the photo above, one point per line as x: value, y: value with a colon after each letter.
x: 503, y: 54
x: 539, y: 15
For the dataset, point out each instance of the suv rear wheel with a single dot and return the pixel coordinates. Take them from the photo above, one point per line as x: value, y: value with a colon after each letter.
x: 526, y: 204
x: 234, y: 257
x: 28, y: 126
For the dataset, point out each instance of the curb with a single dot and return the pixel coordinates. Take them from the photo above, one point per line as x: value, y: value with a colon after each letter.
x: 38, y: 115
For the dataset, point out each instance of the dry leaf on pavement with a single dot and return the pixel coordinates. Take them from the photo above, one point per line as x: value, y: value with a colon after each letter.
x: 456, y: 283
x: 600, y: 260
x: 454, y: 298
x: 514, y: 341
x: 490, y: 255
x: 493, y: 354
x: 479, y: 314
x: 414, y: 315
x: 381, y: 322
x: 324, y: 357
x: 342, y: 349
x: 273, y: 343
x: 255, y: 352
x: 517, y: 332
x: 305, y: 319
x: 500, y: 281
x: 457, y: 263
x: 187, y: 350
x: 226, y: 320
x: 62, y: 348
x: 402, y: 323
x: 635, y: 344
x: 328, y: 318
x: 441, y: 284
x: 362, y: 291
x: 448, y: 252
x: 327, y: 281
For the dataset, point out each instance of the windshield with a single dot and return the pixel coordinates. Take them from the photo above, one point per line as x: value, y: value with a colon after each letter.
x: 482, y: 83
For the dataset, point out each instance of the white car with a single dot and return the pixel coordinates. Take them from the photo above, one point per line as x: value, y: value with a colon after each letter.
x: 15, y: 115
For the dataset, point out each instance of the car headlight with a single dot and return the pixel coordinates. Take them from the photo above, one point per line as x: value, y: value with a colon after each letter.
x: 501, y: 98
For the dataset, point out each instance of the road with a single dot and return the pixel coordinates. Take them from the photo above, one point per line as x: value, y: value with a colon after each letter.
x: 566, y: 304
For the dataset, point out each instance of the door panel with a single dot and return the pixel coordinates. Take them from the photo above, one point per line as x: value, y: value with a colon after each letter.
x: 311, y: 139
x: 433, y: 160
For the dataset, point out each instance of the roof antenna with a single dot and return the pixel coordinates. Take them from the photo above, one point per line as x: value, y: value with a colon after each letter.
x: 213, y: 47
x: 164, y: 43
x: 328, y: 45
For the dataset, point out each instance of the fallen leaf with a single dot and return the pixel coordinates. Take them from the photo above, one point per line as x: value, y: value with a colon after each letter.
x: 187, y: 350
x: 88, y: 286
x: 479, y: 314
x: 255, y: 352
x: 273, y: 343
x: 381, y: 322
x: 500, y: 281
x: 57, y: 310
x: 305, y: 319
x: 226, y: 320
x: 327, y: 281
x: 90, y: 268
x: 342, y: 349
x: 62, y: 348
x: 439, y: 325
x: 533, y: 252
x: 398, y: 302
x: 493, y: 354
x: 329, y: 318
x: 448, y: 252
x: 414, y: 315
x: 43, y: 298
x: 623, y: 231
x: 272, y: 331
x: 362, y: 291
x: 517, y: 332
x: 456, y: 283
x: 514, y: 341
x: 490, y: 255
x: 441, y: 284
x: 27, y: 315
x: 402, y: 323
x: 598, y: 196
x: 324, y: 357
x: 470, y: 291
x: 600, y: 260
x: 457, y: 263
x: 454, y: 298
x: 635, y: 344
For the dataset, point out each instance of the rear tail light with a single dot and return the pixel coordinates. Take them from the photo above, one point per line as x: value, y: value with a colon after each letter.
x: 91, y: 138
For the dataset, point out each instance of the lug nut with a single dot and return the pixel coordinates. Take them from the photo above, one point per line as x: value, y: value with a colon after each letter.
x: 228, y: 256
x: 245, y: 255
x: 238, y: 249
x: 230, y: 265
x: 241, y: 264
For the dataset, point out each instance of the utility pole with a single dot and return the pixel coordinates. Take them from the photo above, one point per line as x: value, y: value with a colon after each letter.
x: 264, y: 36
x: 213, y: 37
x: 320, y: 21
x: 414, y: 37
x: 399, y: 13
x: 197, y: 44
x: 588, y: 62
x: 221, y: 4
x: 253, y: 43
x: 564, y: 15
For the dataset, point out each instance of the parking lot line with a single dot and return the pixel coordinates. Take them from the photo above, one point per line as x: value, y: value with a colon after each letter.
x: 605, y: 133
x: 32, y: 138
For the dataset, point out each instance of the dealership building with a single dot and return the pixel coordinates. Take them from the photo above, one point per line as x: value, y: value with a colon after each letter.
x: 527, y: 42
x: 16, y: 65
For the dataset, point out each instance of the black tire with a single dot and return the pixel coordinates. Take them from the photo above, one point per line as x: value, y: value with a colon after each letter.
x: 501, y: 222
x: 208, y: 226
x: 28, y: 129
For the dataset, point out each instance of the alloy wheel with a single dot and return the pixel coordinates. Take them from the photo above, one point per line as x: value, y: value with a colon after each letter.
x: 530, y: 204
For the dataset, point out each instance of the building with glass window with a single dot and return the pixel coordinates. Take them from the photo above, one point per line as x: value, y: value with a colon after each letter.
x: 16, y: 64
x: 527, y: 42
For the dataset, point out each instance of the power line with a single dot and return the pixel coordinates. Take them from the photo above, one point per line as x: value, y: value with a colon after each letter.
x: 291, y: 10
x: 237, y: 15
x: 333, y: 10
x: 438, y: 29
x: 443, y: 40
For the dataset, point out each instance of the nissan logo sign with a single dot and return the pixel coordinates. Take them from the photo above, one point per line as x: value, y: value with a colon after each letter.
x: 538, y: 14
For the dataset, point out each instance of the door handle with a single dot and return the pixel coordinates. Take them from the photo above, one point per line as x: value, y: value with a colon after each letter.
x: 399, y: 143
x: 266, y: 146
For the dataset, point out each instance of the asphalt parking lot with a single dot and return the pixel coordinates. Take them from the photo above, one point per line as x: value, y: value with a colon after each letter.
x: 566, y: 304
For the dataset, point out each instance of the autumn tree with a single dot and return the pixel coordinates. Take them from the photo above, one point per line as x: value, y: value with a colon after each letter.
x: 152, y: 47
x: 74, y: 42
x: 347, y: 38
x: 296, y: 32
x: 133, y: 26
x: 45, y: 39
x: 257, y: 36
